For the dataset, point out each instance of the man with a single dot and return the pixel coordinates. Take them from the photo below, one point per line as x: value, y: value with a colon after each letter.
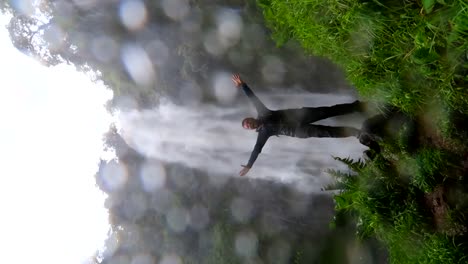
x: 292, y: 122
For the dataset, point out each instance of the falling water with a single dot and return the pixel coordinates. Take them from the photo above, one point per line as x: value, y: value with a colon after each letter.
x: 209, y: 137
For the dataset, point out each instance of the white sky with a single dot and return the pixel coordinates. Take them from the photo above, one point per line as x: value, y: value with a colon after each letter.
x: 51, y: 126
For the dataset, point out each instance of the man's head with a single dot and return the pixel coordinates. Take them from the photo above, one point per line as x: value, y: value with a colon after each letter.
x: 250, y: 123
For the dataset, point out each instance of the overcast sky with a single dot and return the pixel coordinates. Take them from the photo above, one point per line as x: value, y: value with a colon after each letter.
x: 51, y: 123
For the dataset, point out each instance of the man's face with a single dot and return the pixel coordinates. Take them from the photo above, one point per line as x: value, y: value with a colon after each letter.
x: 250, y: 123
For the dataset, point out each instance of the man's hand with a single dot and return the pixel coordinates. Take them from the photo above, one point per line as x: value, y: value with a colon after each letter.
x: 244, y: 170
x: 237, y: 80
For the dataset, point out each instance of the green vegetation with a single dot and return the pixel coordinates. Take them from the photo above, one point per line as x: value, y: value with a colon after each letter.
x: 392, y: 199
x: 393, y: 51
x: 223, y: 250
x: 412, y: 55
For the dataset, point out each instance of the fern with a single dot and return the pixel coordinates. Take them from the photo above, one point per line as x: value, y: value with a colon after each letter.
x: 355, y: 165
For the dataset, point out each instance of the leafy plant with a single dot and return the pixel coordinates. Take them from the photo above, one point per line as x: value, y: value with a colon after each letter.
x: 411, y: 55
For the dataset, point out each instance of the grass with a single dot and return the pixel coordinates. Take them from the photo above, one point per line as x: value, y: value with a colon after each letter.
x: 392, y: 51
x: 388, y: 199
x: 413, y: 56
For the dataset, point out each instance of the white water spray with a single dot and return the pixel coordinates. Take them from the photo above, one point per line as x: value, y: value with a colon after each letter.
x: 211, y: 138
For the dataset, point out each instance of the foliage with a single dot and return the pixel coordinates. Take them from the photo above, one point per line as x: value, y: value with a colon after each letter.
x: 411, y: 55
x: 390, y: 207
x: 390, y: 196
x: 223, y: 251
x: 393, y: 51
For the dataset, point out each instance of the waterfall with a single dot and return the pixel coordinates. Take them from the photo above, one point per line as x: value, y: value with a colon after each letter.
x: 210, y: 137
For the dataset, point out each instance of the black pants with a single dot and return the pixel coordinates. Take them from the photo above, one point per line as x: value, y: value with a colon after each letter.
x: 309, y: 130
x: 307, y: 115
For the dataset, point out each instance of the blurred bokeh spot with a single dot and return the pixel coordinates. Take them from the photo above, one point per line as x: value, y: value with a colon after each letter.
x: 175, y: 9
x: 162, y: 200
x: 241, y: 209
x: 177, y: 219
x: 114, y: 176
x: 273, y: 69
x: 223, y: 90
x: 133, y: 14
x: 246, y: 244
x: 25, y: 7
x: 152, y: 176
x: 157, y: 51
x: 104, y: 48
x: 229, y: 27
x: 142, y: 258
x: 212, y: 44
x: 171, y: 259
x: 199, y: 217
x: 138, y: 65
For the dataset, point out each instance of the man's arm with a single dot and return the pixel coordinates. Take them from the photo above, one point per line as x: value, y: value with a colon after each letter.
x: 261, y: 140
x: 261, y: 108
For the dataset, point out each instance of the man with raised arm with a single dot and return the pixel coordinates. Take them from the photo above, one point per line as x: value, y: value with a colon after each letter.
x: 292, y: 122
